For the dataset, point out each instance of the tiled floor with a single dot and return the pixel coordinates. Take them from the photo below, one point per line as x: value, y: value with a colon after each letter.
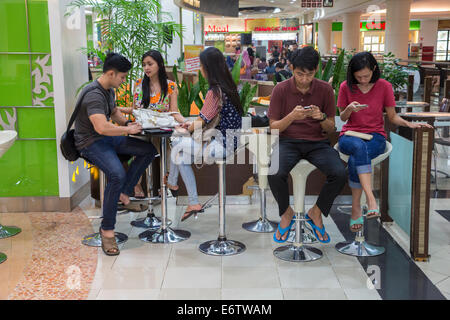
x: 181, y: 271
x: 36, y: 269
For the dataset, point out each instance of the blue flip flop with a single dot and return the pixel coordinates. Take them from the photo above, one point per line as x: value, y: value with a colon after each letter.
x: 283, y: 231
x: 316, y: 228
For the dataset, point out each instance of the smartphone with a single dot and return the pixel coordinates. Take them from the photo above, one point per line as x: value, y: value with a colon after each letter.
x: 362, y: 105
x: 307, y: 107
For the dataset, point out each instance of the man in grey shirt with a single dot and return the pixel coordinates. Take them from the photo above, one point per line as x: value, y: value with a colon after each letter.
x: 100, y: 141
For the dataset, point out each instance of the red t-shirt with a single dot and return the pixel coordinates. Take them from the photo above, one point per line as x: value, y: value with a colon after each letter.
x: 285, y: 97
x: 370, y: 119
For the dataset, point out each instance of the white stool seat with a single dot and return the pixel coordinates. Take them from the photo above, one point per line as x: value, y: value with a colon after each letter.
x: 359, y: 247
x: 7, y: 138
x: 260, y: 145
x: 299, y: 176
x: 375, y: 161
x: 298, y: 251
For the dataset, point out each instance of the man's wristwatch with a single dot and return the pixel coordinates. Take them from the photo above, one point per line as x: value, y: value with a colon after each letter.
x: 324, y: 116
x: 128, y: 121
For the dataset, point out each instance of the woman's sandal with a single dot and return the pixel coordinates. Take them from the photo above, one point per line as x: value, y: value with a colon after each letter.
x: 283, y: 231
x: 109, y: 245
x: 360, y: 221
x: 376, y: 214
x: 187, y: 214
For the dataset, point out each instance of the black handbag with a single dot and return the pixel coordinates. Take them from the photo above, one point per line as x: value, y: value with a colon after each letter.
x: 67, y: 143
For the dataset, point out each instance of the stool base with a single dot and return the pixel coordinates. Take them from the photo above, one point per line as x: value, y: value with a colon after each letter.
x: 149, y: 222
x: 295, y: 253
x: 359, y: 249
x: 94, y: 240
x: 164, y: 236
x: 6, y: 232
x: 345, y: 209
x: 308, y: 236
x: 222, y: 247
x: 260, y: 225
x: 2, y: 257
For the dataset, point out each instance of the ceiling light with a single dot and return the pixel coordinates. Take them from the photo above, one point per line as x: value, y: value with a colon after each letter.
x: 277, y: 10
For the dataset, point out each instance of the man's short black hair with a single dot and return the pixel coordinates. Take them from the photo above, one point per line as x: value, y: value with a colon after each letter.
x: 306, y: 59
x: 116, y: 62
x: 279, y: 65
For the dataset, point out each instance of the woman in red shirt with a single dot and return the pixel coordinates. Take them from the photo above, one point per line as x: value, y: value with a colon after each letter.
x: 363, y: 98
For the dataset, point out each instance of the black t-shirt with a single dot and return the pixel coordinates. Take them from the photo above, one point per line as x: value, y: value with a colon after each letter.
x: 94, y: 102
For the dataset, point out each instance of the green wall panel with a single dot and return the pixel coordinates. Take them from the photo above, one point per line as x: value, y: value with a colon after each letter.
x: 39, y: 26
x: 13, y: 30
x: 36, y: 122
x: 15, y: 88
x: 29, y: 168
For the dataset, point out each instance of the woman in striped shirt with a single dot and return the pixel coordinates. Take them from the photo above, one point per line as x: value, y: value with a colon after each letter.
x: 222, y: 106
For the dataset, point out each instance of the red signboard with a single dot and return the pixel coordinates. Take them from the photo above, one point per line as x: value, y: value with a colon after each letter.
x: 214, y: 28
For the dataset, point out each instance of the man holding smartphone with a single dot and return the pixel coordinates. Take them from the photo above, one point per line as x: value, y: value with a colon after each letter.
x: 303, y: 110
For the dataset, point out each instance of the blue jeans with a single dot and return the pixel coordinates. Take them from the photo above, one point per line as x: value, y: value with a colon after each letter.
x: 361, y: 153
x: 184, y: 149
x: 103, y: 154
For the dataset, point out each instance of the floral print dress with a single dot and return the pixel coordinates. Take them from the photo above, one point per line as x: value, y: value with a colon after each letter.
x: 155, y: 101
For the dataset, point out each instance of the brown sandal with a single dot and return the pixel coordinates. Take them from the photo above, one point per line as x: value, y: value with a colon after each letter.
x: 109, y: 245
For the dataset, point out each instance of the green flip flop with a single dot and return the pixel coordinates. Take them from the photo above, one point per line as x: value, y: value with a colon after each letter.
x: 360, y: 221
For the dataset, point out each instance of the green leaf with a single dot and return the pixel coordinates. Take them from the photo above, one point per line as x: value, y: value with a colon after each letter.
x: 328, y: 71
x: 236, y: 71
x: 175, y: 75
x: 318, y: 74
x: 338, y: 68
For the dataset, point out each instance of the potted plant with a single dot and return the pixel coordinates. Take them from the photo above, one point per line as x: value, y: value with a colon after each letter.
x: 394, y: 73
x: 130, y: 28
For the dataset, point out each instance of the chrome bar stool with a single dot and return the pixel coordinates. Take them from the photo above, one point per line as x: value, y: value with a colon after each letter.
x: 298, y: 251
x: 164, y: 234
x: 151, y: 221
x: 222, y: 246
x: 7, y: 139
x: 94, y: 240
x: 359, y: 247
x: 260, y: 145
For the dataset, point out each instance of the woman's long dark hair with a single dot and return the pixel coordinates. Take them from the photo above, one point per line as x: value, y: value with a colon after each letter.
x: 358, y: 62
x: 219, y: 76
x: 162, y: 76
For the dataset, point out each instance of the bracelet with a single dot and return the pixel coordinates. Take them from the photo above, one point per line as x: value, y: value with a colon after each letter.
x: 324, y: 117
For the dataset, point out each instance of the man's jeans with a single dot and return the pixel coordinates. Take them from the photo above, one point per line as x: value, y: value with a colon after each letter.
x: 319, y: 154
x: 103, y: 154
x: 361, y: 153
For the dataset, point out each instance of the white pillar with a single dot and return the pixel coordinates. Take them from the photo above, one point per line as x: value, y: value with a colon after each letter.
x: 397, y: 27
x: 350, y: 31
x: 70, y: 71
x: 428, y: 32
x: 324, y: 36
x: 173, y: 50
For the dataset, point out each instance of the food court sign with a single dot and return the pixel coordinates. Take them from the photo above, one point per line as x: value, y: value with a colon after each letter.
x: 272, y: 25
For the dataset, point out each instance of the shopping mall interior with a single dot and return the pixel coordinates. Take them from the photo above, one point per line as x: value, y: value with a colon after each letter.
x: 227, y: 243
